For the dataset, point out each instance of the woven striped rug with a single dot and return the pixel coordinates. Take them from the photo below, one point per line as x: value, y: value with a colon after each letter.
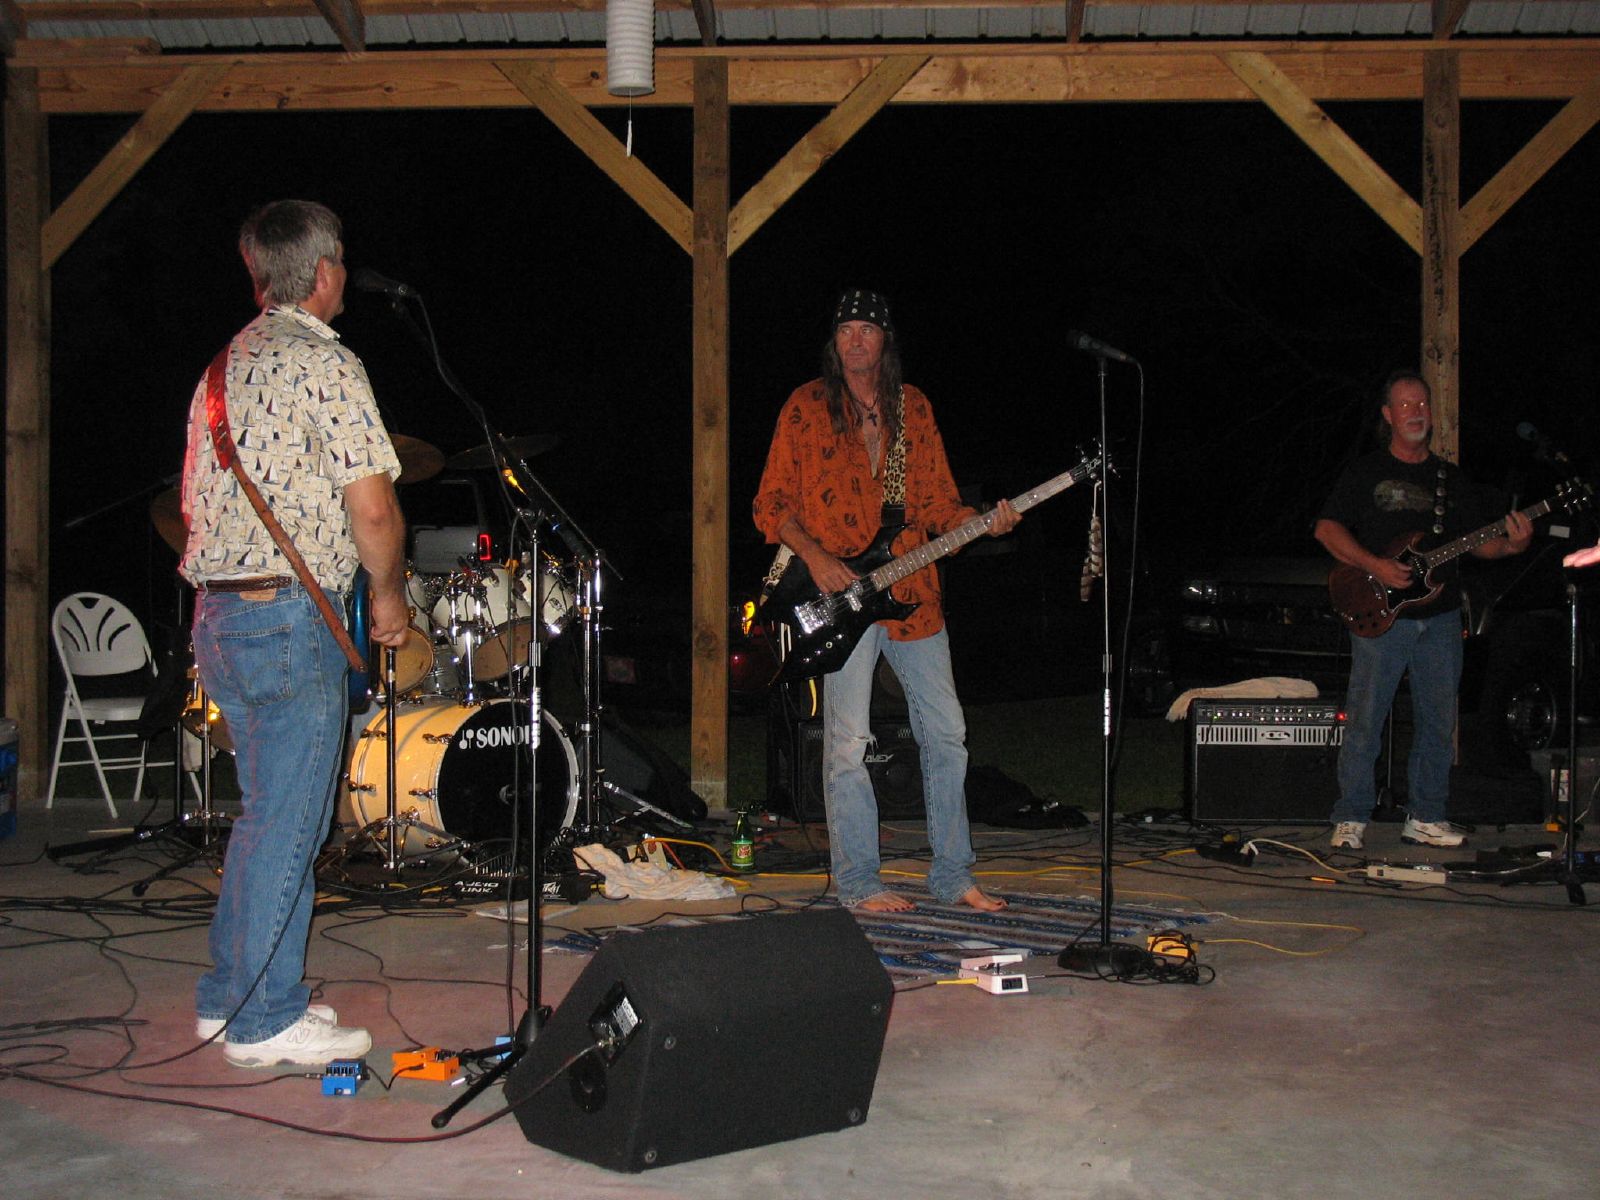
x: 933, y: 939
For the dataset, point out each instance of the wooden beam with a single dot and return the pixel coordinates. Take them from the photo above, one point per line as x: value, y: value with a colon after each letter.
x: 536, y: 82
x: 348, y: 22
x: 708, y: 734
x: 1075, y: 20
x: 1529, y: 164
x: 27, y: 548
x: 1441, y: 250
x: 13, y: 26
x: 1447, y: 16
x: 705, y: 16
x: 819, y: 145
x: 122, y: 162
x: 1330, y: 143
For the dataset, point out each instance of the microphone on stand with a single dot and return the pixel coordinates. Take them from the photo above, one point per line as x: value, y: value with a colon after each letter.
x: 364, y: 279
x: 1079, y: 340
x: 1543, y: 448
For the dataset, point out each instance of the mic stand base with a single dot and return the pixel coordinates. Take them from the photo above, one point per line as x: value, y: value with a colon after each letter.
x: 509, y: 1056
x: 1103, y: 958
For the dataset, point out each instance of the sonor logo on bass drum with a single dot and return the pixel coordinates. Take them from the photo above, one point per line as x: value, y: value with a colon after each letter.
x: 493, y: 737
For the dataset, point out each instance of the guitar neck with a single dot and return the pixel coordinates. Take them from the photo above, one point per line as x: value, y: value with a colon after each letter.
x: 1462, y: 545
x: 913, y: 561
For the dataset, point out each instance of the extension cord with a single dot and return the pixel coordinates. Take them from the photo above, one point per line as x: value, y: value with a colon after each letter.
x: 1422, y: 873
x: 986, y: 973
x: 1170, y: 945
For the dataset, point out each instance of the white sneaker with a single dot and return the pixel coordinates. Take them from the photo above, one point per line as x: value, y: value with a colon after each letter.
x: 1431, y: 833
x: 206, y: 1028
x: 1347, y: 835
x: 309, y: 1042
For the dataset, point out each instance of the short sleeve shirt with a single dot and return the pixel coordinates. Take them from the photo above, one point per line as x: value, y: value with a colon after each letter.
x: 1381, y: 499
x: 306, y: 425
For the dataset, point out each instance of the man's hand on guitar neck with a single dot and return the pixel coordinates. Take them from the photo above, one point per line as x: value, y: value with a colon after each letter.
x: 1519, y: 533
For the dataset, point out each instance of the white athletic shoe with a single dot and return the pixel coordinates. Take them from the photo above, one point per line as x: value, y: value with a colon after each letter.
x: 1432, y: 833
x: 309, y: 1042
x: 1347, y: 835
x: 206, y: 1028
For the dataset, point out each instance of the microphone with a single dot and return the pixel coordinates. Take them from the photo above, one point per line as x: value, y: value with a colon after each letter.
x: 364, y: 279
x: 1543, y: 448
x: 1079, y: 340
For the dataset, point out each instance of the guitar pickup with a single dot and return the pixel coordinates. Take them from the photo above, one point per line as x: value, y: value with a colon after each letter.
x: 810, y: 618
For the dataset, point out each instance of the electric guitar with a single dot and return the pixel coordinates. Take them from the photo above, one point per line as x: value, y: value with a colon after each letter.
x: 1369, y: 608
x: 828, y: 626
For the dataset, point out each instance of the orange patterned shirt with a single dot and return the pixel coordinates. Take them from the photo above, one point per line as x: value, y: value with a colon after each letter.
x: 824, y: 480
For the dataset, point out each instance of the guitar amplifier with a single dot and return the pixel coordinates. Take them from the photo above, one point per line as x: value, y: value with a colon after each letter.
x: 1263, y: 761
x: 893, y: 761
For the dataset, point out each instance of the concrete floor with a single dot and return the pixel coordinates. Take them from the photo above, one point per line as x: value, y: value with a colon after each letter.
x: 1415, y: 1042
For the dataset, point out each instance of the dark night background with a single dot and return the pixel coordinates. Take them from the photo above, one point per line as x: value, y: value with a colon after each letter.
x: 1264, y: 299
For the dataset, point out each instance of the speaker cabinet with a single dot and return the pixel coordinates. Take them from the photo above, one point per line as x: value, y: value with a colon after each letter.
x: 1263, y: 761
x: 893, y: 762
x: 696, y: 1041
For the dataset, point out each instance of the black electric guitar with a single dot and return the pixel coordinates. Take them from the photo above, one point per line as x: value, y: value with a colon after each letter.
x: 828, y: 626
x: 1369, y: 608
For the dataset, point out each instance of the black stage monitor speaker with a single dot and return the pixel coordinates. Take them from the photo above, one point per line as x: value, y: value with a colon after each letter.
x: 676, y: 1044
x: 1267, y: 761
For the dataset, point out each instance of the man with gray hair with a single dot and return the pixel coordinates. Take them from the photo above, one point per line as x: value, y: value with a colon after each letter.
x: 306, y: 425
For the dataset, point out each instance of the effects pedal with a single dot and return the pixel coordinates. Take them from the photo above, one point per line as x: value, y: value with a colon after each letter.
x: 987, y: 973
x: 428, y: 1063
x: 344, y: 1076
x: 1422, y: 873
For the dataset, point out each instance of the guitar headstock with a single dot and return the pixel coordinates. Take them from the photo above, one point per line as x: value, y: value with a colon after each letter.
x: 1094, y: 462
x: 1573, y: 495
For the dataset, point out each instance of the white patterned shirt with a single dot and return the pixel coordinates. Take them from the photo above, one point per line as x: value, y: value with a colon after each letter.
x: 306, y: 424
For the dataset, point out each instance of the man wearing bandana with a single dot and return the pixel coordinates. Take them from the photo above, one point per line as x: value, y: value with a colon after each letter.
x: 853, y: 451
x: 1380, y: 498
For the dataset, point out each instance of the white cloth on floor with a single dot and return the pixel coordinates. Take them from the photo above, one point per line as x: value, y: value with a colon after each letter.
x: 1267, y: 687
x: 648, y: 880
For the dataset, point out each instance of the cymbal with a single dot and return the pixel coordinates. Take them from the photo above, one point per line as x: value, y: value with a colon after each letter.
x: 166, y: 514
x: 419, y: 460
x: 482, y: 457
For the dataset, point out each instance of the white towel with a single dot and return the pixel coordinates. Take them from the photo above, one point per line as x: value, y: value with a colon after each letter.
x: 1268, y: 687
x: 648, y: 880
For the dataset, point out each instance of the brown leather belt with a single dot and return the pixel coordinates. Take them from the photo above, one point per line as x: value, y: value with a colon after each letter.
x: 259, y: 584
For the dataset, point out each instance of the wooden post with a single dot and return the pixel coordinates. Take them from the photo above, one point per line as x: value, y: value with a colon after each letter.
x: 1441, y: 248
x: 27, y: 594
x: 708, y: 732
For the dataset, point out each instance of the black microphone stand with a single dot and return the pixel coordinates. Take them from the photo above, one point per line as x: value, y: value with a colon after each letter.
x: 511, y: 466
x: 1105, y: 955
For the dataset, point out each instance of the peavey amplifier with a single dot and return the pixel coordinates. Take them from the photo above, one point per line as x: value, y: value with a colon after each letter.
x: 1265, y: 761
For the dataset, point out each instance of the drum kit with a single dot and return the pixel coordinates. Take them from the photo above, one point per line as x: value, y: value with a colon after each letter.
x: 438, y: 755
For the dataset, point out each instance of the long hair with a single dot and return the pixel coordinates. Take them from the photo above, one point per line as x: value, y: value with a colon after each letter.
x: 841, y: 405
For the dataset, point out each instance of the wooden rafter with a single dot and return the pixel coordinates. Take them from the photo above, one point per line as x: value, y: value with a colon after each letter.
x: 705, y: 16
x: 819, y: 145
x: 536, y: 82
x: 1543, y: 150
x: 112, y: 173
x: 1331, y: 144
x: 13, y: 26
x: 348, y: 20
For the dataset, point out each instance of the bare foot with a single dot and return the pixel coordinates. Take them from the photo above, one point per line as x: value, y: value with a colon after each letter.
x: 887, y: 902
x: 976, y: 897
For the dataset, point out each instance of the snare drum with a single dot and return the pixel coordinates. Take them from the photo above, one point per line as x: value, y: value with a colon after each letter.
x: 454, y: 768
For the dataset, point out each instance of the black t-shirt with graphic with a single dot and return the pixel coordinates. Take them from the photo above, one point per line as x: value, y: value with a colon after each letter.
x: 1380, y: 499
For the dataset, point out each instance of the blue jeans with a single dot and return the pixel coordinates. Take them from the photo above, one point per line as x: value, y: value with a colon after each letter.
x: 923, y: 668
x: 277, y: 675
x: 1430, y: 648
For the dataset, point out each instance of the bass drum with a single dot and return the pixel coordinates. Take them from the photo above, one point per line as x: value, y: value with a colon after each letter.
x: 454, y: 767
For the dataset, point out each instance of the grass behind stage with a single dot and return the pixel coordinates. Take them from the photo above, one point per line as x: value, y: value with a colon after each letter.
x: 1051, y: 745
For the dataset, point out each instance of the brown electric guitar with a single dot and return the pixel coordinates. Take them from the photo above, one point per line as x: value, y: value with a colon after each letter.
x: 1369, y: 608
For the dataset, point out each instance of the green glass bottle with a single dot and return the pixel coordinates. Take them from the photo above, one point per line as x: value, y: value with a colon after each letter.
x: 743, y: 856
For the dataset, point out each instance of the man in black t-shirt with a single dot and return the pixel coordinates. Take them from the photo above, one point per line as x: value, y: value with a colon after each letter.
x: 1383, y: 496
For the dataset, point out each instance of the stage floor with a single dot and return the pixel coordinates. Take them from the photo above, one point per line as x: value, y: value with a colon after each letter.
x: 1356, y: 1040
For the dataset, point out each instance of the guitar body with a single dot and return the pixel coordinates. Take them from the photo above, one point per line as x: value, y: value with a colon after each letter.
x: 360, y: 627
x: 1369, y: 608
x: 849, y: 613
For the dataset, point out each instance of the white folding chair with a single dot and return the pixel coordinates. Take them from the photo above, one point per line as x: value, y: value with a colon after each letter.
x: 95, y: 635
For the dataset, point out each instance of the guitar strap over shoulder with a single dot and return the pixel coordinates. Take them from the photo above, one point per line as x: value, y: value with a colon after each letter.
x: 894, y: 464
x: 228, y: 456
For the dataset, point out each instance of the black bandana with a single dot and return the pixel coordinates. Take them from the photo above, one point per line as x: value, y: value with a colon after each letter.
x: 857, y: 304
